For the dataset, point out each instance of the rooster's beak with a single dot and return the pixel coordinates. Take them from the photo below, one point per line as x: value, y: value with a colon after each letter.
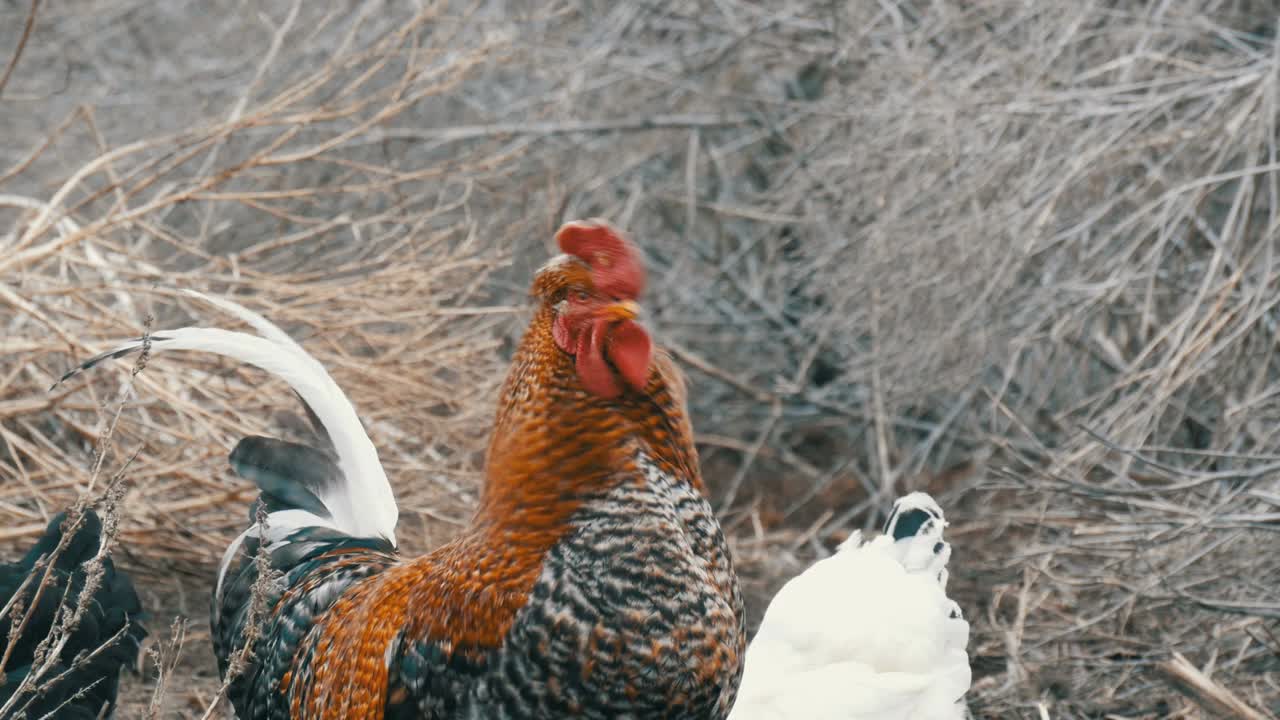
x: 621, y: 310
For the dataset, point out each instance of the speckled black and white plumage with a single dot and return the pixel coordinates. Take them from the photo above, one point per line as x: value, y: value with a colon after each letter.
x: 626, y: 621
x: 314, y: 567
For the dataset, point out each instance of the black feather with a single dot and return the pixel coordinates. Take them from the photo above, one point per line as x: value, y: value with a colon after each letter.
x: 290, y: 475
x: 72, y: 689
x: 301, y: 554
x: 908, y: 523
x: 133, y: 346
x: 322, y: 433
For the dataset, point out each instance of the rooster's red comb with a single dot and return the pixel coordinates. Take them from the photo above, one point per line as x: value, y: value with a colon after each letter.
x: 617, y: 270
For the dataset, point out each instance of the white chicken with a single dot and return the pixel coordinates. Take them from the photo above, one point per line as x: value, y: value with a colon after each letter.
x: 866, y: 633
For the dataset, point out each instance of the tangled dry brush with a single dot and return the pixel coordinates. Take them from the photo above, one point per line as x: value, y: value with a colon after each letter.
x: 1023, y: 255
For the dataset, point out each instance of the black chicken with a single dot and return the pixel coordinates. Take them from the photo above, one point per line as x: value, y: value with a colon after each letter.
x: 82, y: 682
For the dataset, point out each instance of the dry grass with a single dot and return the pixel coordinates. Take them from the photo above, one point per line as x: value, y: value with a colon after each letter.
x: 1021, y: 254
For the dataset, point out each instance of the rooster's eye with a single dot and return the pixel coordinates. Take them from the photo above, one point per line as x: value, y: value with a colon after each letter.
x: 582, y: 295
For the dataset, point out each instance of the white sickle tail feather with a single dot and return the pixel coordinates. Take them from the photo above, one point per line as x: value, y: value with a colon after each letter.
x: 357, y: 499
x: 866, y: 633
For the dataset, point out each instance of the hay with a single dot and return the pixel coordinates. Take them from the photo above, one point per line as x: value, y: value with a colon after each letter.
x: 1022, y: 255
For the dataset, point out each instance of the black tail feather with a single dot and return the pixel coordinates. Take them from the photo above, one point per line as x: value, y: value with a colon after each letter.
x: 322, y: 433
x: 290, y: 475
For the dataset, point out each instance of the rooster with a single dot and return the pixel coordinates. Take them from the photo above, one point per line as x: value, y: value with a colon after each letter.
x: 865, y: 634
x: 594, y: 580
x: 42, y: 591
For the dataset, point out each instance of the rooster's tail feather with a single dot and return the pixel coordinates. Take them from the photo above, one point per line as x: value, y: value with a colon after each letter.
x: 324, y: 518
x: 355, y: 497
x: 289, y: 476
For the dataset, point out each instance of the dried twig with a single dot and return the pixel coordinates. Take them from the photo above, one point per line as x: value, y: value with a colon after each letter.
x: 27, y: 27
x: 1208, y: 694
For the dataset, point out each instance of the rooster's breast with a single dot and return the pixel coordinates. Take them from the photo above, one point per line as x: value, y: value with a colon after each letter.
x: 636, y: 614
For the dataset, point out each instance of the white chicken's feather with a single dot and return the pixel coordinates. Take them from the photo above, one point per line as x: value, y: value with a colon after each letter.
x: 866, y: 633
x: 363, y: 505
